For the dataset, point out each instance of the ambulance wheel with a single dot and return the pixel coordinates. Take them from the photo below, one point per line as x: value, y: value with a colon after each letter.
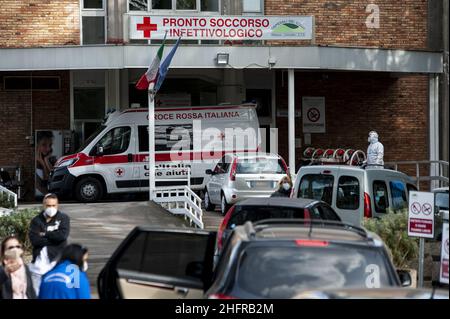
x: 208, y: 205
x: 88, y: 190
x: 224, y: 206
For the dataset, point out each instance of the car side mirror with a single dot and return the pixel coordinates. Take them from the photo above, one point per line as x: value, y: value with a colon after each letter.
x: 100, y: 150
x: 405, y: 278
x: 209, y: 172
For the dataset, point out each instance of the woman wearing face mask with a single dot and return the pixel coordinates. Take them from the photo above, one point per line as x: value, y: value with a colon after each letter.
x: 15, y: 277
x: 68, y: 280
x: 284, y: 187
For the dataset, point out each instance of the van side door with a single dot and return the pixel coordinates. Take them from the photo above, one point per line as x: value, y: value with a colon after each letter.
x: 159, y: 263
x: 350, y: 196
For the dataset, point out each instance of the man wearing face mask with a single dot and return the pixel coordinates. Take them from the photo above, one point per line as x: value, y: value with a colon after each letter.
x: 284, y: 187
x: 48, y: 235
x: 375, y: 151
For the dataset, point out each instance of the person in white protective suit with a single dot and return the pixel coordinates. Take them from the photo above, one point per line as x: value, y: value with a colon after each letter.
x: 375, y: 151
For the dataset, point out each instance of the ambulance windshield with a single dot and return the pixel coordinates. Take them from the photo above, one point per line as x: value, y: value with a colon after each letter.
x: 90, y: 138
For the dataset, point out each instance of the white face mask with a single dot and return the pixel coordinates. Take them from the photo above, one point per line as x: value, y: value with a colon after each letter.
x: 85, y: 266
x: 286, y: 186
x: 51, y: 211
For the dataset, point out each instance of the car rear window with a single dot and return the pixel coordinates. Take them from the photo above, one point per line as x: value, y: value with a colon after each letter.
x: 282, y: 272
x: 317, y: 186
x: 243, y: 214
x: 162, y: 254
x: 348, y: 193
x: 260, y: 165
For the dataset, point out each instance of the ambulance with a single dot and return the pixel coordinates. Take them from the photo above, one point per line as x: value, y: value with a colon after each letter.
x: 188, y: 141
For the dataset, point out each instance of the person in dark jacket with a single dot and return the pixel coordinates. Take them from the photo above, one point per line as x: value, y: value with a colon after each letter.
x: 15, y: 277
x: 284, y: 187
x: 68, y: 280
x: 48, y: 234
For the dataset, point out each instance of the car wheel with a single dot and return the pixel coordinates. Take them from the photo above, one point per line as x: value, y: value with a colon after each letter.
x: 208, y: 205
x: 88, y: 190
x: 223, y: 205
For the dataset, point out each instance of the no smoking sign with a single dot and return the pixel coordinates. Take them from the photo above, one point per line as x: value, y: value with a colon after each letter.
x: 313, y: 114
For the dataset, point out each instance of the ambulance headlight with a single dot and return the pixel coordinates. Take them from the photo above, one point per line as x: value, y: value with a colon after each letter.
x: 68, y: 162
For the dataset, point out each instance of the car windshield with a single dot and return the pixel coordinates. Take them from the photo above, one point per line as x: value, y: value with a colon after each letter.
x: 91, y: 138
x: 282, y: 272
x: 243, y: 214
x: 260, y: 165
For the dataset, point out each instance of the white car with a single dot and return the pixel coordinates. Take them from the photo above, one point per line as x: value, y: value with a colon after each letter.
x: 354, y: 192
x: 240, y: 176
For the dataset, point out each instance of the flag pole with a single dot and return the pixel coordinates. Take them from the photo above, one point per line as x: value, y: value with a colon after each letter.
x: 151, y: 142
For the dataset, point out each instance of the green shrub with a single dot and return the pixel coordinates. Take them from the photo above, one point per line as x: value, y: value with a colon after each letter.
x: 5, y: 201
x: 393, y: 230
x: 18, y: 224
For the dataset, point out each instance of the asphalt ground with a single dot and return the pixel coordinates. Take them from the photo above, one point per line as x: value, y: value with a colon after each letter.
x: 102, y: 226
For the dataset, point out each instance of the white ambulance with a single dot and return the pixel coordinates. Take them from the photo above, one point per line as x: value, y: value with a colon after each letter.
x: 115, y: 158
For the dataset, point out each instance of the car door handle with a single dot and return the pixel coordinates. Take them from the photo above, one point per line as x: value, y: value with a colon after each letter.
x: 181, y: 290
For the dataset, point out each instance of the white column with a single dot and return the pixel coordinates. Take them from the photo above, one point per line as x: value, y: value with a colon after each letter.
x: 433, y: 89
x: 151, y: 144
x: 291, y: 121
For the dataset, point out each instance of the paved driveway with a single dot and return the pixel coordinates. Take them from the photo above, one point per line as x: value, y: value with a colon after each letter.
x: 102, y: 227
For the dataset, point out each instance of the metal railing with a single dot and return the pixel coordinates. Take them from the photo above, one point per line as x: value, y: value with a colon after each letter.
x: 439, y: 167
x: 181, y: 200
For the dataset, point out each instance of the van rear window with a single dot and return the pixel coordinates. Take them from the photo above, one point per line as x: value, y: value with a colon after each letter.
x: 348, y: 193
x: 317, y: 186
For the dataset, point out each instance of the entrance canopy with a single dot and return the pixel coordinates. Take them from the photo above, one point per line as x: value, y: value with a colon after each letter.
x: 239, y: 57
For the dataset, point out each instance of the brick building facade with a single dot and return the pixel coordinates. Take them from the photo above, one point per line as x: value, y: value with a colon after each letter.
x: 394, y: 103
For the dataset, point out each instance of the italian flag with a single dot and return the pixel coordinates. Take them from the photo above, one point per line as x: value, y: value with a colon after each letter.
x: 152, y: 72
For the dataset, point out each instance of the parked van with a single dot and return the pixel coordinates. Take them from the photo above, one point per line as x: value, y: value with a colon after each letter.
x: 115, y: 158
x: 354, y: 192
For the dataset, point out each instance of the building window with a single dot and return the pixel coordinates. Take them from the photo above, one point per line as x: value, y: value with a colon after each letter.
x: 92, y: 4
x: 186, y: 5
x: 174, y: 5
x: 37, y: 83
x: 252, y: 6
x: 162, y: 4
x: 93, y: 22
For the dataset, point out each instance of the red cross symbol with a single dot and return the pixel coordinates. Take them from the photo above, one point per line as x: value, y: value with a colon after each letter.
x: 119, y: 172
x: 147, y: 27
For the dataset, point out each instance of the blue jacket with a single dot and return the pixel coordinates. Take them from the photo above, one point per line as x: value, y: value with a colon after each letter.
x: 65, y: 281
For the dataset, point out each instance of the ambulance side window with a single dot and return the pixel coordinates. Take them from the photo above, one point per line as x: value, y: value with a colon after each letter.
x: 143, y: 138
x: 116, y: 141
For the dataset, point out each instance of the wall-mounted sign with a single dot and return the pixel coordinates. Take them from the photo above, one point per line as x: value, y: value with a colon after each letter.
x: 421, y: 214
x: 313, y: 110
x: 221, y: 27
